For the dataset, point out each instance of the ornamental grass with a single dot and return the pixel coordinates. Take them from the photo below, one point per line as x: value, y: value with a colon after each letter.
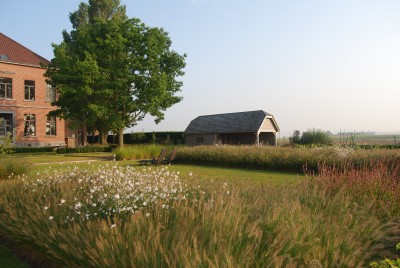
x: 136, y: 152
x: 297, y: 159
x: 125, y: 217
x: 11, y: 168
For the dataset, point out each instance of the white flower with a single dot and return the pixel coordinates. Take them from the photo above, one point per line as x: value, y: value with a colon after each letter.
x: 62, y: 201
x: 78, y: 205
x: 46, y: 208
x: 112, y: 226
x: 147, y: 214
x: 51, y: 218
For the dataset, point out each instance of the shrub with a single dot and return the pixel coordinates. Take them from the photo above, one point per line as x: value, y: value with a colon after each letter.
x: 315, y: 136
x: 10, y: 168
x: 5, y: 145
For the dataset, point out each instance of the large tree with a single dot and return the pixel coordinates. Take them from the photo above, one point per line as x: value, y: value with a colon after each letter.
x: 111, y: 70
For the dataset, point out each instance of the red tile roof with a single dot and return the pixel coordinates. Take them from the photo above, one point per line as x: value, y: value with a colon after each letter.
x: 15, y: 52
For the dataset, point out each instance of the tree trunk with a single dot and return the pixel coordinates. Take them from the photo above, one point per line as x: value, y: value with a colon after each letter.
x: 85, y: 134
x: 103, y: 137
x: 121, y: 138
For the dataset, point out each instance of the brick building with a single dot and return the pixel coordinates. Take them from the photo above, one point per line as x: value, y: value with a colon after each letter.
x: 25, y: 98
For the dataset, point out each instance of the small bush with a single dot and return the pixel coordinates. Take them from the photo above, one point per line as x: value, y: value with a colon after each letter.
x: 315, y: 136
x: 5, y: 145
x: 12, y: 167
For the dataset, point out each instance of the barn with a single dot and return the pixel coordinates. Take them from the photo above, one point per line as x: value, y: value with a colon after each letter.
x: 242, y: 128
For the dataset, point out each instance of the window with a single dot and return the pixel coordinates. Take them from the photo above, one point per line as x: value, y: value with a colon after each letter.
x: 200, y: 139
x: 29, y: 90
x: 5, y: 88
x: 30, y: 125
x: 3, y: 127
x: 6, y: 124
x: 50, y: 93
x: 51, y: 126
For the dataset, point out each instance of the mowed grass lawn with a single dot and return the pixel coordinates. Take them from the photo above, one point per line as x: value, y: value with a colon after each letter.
x: 44, y: 158
x: 52, y: 161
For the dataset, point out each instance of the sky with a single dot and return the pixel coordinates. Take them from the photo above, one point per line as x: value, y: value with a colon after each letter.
x: 328, y: 65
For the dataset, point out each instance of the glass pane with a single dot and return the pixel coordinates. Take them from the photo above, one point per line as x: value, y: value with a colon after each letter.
x: 51, y: 125
x: 2, y: 90
x: 2, y: 127
x: 29, y: 129
x: 9, y: 91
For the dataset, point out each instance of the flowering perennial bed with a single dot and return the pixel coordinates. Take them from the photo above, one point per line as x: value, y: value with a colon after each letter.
x: 106, y: 192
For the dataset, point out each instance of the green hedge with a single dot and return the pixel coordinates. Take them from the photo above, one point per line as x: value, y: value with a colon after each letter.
x: 166, y: 137
x: 18, y: 150
x: 86, y: 149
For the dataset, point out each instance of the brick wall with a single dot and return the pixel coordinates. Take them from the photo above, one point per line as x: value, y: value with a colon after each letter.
x: 39, y: 107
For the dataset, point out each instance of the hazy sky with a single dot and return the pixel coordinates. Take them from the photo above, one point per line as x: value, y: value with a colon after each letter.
x: 328, y: 65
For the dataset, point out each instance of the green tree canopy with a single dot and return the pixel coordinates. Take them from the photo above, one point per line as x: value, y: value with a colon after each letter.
x: 111, y: 70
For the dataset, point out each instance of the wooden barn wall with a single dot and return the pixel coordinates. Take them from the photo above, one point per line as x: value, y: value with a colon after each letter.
x: 268, y: 126
x: 208, y: 139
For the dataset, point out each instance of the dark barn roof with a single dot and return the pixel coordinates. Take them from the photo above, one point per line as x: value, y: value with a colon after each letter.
x: 14, y: 52
x: 228, y: 123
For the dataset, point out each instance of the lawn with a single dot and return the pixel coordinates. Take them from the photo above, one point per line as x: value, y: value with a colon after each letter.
x: 50, y: 162
x: 41, y: 158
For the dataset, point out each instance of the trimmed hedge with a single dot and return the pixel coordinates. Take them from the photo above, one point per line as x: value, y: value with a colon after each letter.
x: 86, y: 149
x: 18, y: 150
x: 167, y: 137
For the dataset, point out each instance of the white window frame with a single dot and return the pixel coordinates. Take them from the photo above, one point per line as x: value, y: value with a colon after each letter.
x: 30, y: 89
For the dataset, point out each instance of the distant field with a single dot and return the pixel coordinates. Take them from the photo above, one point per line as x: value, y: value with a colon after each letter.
x: 359, y: 139
x: 367, y: 139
